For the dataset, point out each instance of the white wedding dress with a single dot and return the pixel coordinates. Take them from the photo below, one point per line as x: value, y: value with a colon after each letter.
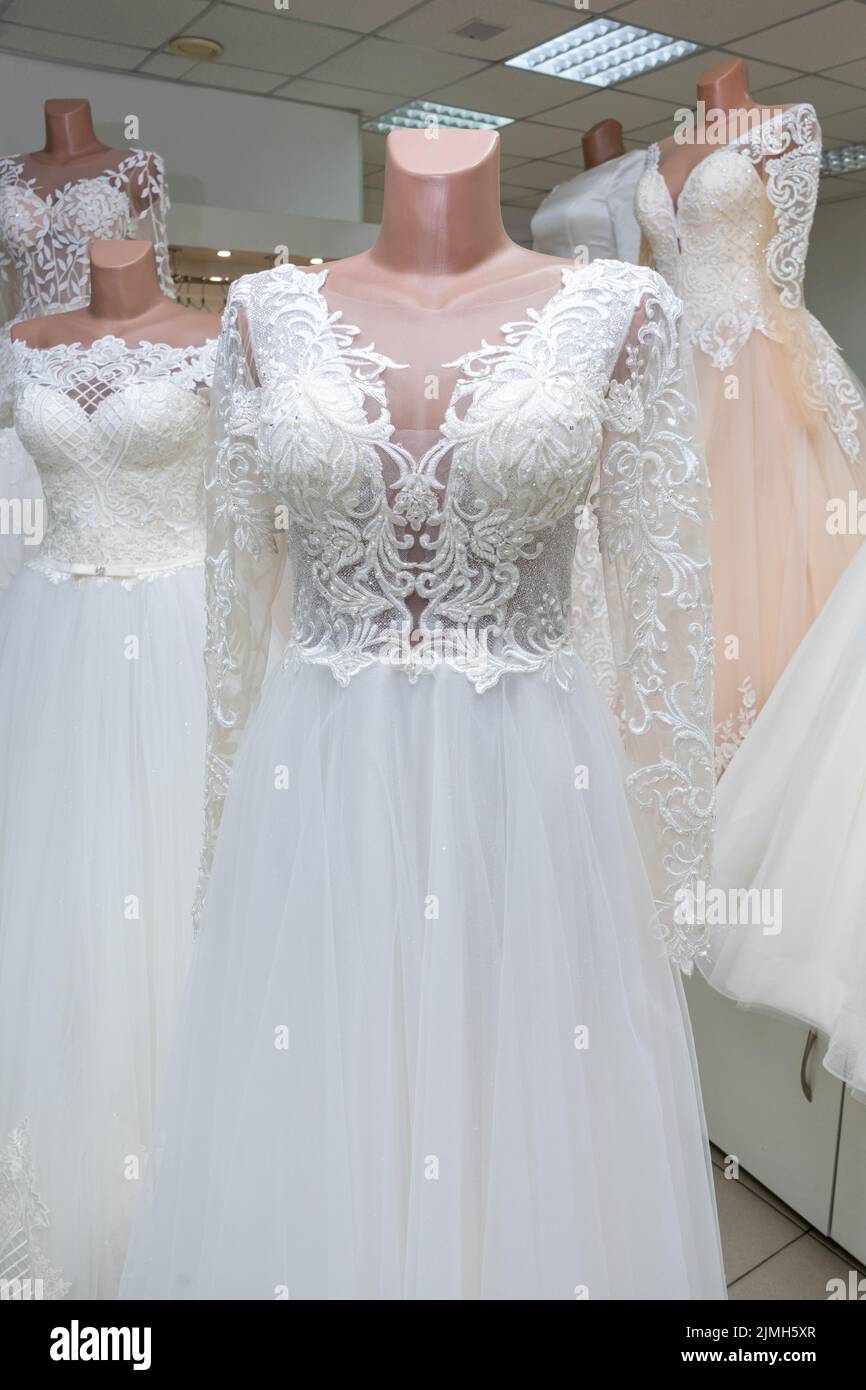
x: 102, y: 749
x: 45, y: 268
x: 592, y: 215
x: 792, y: 821
x: 433, y: 1046
x: 782, y: 414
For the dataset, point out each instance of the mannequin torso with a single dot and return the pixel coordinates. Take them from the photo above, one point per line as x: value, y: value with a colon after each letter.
x: 602, y: 142
x: 126, y: 301
x: 722, y: 88
x: 72, y: 151
x: 442, y: 243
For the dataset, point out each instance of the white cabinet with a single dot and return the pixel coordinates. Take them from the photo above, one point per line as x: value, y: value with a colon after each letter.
x: 848, y: 1228
x: 750, y: 1076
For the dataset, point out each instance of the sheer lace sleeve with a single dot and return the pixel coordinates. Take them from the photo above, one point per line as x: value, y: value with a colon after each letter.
x: 244, y: 563
x: 9, y: 303
x: 653, y: 528
x: 149, y: 192
x: 789, y: 148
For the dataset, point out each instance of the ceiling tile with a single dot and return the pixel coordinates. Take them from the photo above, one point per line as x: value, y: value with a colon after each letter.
x: 539, y: 173
x: 41, y: 43
x: 234, y: 78
x: 270, y: 42
x: 598, y: 7
x: 509, y: 191
x: 678, y: 81
x: 503, y: 91
x: 628, y: 108
x: 712, y: 22
x: 820, y: 40
x: 376, y: 180
x: 850, y: 127
x: 529, y: 140
x: 329, y: 94
x: 508, y: 161
x: 569, y: 159
x: 148, y: 26
x: 394, y: 67
x: 373, y: 147
x: 524, y: 26
x: 849, y: 72
x: 360, y: 15
x: 826, y: 97
x: 531, y: 201
x: 657, y: 130
x: 166, y: 65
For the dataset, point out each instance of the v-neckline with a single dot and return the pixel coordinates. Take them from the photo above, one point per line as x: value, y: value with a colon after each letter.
x: 425, y: 467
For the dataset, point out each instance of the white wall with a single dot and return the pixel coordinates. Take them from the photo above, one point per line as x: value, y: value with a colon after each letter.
x: 836, y: 277
x: 221, y: 149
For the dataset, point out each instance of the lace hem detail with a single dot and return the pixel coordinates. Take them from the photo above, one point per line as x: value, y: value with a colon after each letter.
x: 25, y: 1272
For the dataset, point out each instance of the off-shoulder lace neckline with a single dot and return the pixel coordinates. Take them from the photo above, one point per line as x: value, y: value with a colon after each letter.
x: 145, y: 345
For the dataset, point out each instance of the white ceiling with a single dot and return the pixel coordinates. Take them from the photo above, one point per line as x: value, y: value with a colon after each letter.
x: 371, y: 55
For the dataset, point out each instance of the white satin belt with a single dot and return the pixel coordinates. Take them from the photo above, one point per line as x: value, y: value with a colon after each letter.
x: 61, y: 570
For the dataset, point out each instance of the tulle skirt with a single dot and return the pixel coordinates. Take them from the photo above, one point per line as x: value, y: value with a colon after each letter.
x: 101, y: 771
x: 792, y: 825
x: 774, y: 464
x: 431, y: 1048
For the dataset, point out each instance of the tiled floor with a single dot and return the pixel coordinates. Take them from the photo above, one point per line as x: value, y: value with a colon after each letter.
x: 771, y: 1252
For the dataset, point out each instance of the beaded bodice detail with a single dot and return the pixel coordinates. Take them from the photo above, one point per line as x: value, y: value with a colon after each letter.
x: 463, y: 556
x: 735, y: 246
x: 118, y: 435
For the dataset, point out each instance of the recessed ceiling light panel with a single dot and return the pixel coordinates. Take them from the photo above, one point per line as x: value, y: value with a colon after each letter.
x: 426, y: 115
x: 603, y: 53
x: 845, y: 160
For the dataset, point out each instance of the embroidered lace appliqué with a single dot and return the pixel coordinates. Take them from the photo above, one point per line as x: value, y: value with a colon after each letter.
x: 468, y: 552
x: 25, y: 1273
x: 731, y: 732
x: 118, y: 434
x: 735, y: 251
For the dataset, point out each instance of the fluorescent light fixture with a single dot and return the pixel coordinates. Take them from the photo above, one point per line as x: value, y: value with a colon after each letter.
x: 224, y: 254
x: 845, y: 160
x: 425, y: 115
x: 603, y: 53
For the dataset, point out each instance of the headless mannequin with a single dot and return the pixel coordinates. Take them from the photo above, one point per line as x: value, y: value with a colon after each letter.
x: 72, y: 150
x: 441, y: 243
x: 722, y: 88
x: 126, y: 302
x: 602, y: 142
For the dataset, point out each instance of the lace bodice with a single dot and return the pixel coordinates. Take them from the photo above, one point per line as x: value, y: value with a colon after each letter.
x: 462, y: 556
x: 118, y: 436
x: 44, y: 237
x: 735, y: 246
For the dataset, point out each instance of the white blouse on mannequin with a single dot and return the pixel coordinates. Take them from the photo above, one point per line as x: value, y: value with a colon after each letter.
x: 596, y: 210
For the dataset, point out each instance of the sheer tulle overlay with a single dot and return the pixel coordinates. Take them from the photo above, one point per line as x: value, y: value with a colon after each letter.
x: 101, y: 747
x: 783, y: 416
x: 774, y: 465
x: 430, y: 1038
x: 792, y: 822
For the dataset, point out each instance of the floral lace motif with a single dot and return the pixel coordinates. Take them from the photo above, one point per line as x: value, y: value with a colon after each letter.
x: 44, y: 240
x: 25, y: 1273
x: 118, y: 436
x: 735, y: 250
x: 731, y: 732
x: 479, y: 534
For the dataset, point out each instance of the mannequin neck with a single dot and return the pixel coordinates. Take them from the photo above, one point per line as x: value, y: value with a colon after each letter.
x: 726, y: 87
x: 124, y: 284
x: 441, y: 209
x: 601, y: 143
x: 69, y: 132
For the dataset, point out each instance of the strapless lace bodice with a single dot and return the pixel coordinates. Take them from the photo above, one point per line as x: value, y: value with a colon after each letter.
x: 44, y: 238
x: 461, y: 556
x: 118, y: 436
